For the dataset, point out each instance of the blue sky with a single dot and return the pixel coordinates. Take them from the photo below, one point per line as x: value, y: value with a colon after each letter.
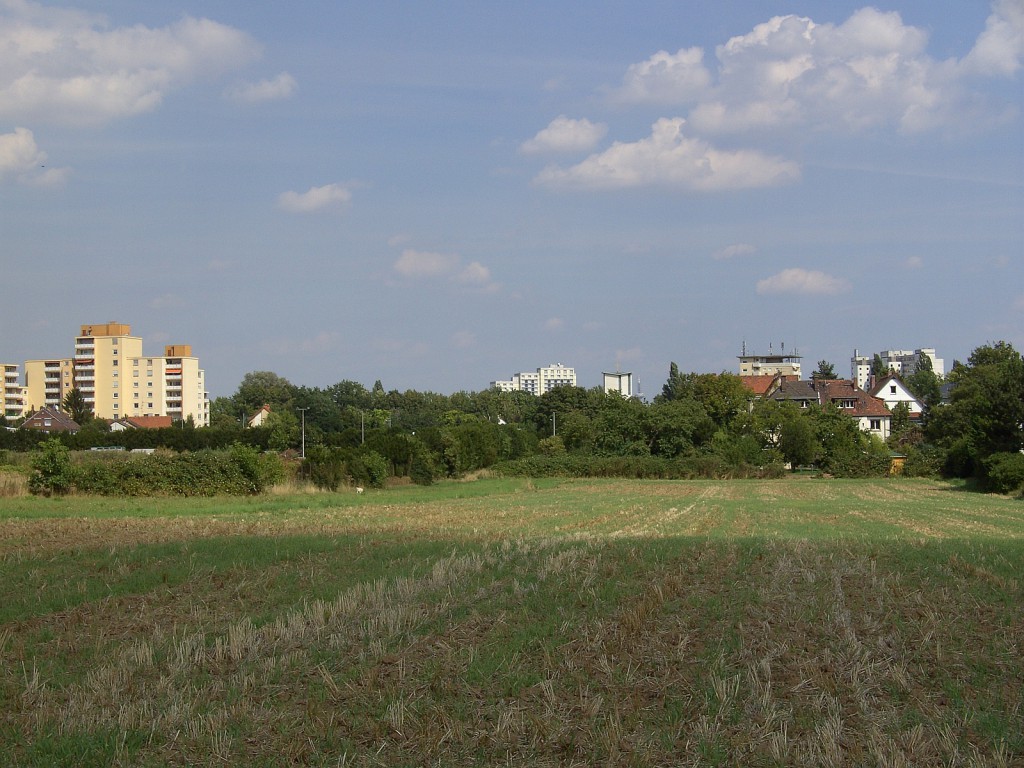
x: 437, y: 195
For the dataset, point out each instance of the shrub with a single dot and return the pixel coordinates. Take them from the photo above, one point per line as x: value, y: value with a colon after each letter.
x: 52, y: 472
x: 261, y: 470
x: 1004, y: 472
x: 325, y: 467
x: 369, y: 468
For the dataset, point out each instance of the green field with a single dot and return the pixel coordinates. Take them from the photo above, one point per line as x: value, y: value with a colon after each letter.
x: 513, y: 622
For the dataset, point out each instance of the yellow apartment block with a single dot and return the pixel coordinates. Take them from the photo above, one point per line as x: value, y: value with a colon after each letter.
x: 12, y: 394
x: 117, y: 380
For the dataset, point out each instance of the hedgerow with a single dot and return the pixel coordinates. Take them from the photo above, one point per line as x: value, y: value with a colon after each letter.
x: 240, y: 470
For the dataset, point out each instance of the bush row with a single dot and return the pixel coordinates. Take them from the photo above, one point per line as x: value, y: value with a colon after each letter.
x: 239, y: 470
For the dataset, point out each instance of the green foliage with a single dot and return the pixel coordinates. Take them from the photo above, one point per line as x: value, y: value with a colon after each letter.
x: 1004, y: 473
x: 825, y: 371
x: 52, y: 473
x: 75, y: 405
x: 845, y: 450
x: 325, y: 467
x: 878, y: 367
x: 722, y: 395
x: 923, y: 460
x: 552, y: 446
x: 797, y: 442
x: 900, y: 419
x: 985, y: 414
x: 368, y: 468
x: 241, y: 470
x: 677, y: 427
x: 261, y: 470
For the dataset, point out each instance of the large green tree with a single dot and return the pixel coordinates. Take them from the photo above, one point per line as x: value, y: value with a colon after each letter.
x: 723, y: 395
x: 985, y: 414
x: 825, y: 371
x: 925, y: 385
x: 259, y: 388
x: 77, y: 407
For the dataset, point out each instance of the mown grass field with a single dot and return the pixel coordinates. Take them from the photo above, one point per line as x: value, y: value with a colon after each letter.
x: 795, y: 622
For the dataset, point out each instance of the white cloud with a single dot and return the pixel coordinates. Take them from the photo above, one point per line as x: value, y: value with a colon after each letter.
x: 413, y: 263
x: 21, y: 159
x: 281, y: 87
x: 476, y: 273
x: 1000, y: 48
x: 915, y: 262
x: 464, y: 339
x: 69, y: 67
x: 554, y: 324
x: 732, y: 251
x: 670, y: 159
x: 802, y: 281
x: 666, y: 78
x: 564, y: 134
x: 871, y: 70
x: 314, y: 199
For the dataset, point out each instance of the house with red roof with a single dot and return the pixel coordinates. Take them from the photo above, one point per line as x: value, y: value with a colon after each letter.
x: 870, y: 412
x: 141, y: 422
x: 48, y: 419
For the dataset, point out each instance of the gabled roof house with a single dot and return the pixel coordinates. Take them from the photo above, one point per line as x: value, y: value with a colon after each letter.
x: 871, y: 413
x: 259, y: 418
x: 891, y: 390
x: 48, y: 419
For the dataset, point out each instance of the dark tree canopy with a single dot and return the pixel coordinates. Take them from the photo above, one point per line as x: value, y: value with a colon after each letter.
x: 825, y: 371
x: 76, y: 406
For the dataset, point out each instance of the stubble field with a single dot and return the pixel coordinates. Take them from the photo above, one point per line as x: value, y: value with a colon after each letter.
x: 791, y: 622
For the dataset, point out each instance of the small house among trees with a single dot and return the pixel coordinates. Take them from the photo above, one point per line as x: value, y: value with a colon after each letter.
x: 49, y: 419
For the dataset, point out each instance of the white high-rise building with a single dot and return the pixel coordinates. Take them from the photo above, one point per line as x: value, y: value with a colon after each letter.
x: 619, y: 382
x: 538, y: 382
x: 902, y: 361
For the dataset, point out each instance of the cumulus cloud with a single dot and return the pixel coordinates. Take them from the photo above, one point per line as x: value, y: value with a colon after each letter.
x: 564, y: 134
x: 732, y: 251
x: 475, y: 273
x: 871, y: 70
x: 413, y: 263
x: 802, y: 281
x: 22, y: 160
x: 668, y: 158
x: 554, y: 324
x: 314, y: 199
x: 999, y: 49
x: 69, y: 67
x: 281, y: 87
x: 666, y: 78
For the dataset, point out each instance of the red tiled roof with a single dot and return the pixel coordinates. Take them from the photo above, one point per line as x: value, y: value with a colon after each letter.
x: 149, y: 422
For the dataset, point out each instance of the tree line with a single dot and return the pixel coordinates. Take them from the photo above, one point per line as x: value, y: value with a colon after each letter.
x: 700, y: 424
